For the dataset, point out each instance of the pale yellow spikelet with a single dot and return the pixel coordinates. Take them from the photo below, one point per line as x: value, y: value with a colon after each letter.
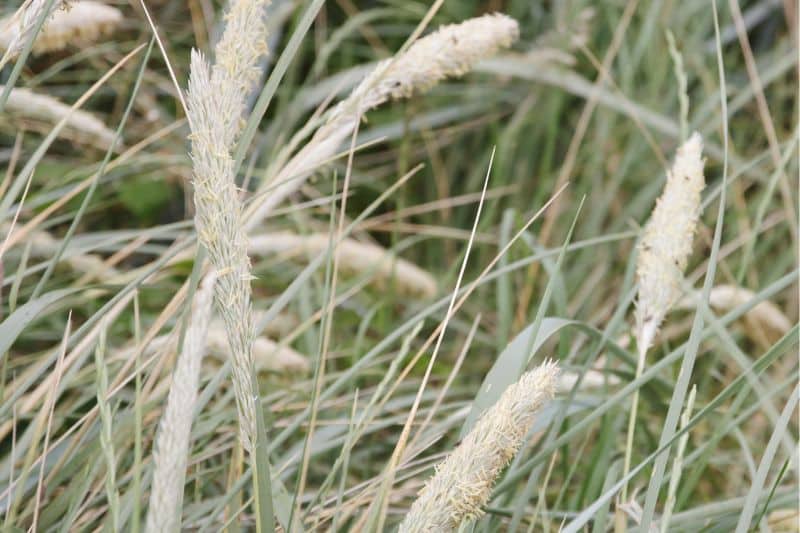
x: 171, y: 450
x: 218, y: 219
x: 215, y: 103
x: 354, y: 256
x: 25, y: 108
x: 81, y: 24
x: 667, y: 241
x: 463, y: 482
x: 242, y: 44
x: 451, y: 51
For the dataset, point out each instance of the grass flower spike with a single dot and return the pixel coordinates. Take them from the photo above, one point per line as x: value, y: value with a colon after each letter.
x: 354, y: 256
x: 216, y: 101
x: 663, y: 253
x: 171, y: 449
x: 463, y: 482
x: 667, y: 242
x: 451, y: 51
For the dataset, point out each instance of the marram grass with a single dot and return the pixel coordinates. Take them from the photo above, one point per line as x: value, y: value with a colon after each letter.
x: 115, y: 239
x: 216, y: 101
x: 171, y: 448
x: 463, y: 482
x: 449, y: 52
x: 667, y: 241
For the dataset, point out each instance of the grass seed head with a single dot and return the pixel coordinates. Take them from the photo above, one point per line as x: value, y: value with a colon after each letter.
x: 667, y: 241
x: 463, y: 482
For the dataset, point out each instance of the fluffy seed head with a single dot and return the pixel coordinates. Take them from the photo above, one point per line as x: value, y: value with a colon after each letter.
x: 452, y: 50
x: 218, y: 218
x: 17, y: 29
x: 242, y: 44
x: 354, y: 256
x: 215, y: 102
x: 463, y: 482
x: 667, y: 241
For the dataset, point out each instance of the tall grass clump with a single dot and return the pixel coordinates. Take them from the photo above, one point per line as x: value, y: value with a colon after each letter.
x: 256, y: 276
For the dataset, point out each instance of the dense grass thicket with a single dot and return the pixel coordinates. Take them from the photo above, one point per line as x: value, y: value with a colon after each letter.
x: 388, y: 256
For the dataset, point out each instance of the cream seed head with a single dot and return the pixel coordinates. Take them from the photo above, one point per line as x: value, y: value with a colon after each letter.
x: 353, y: 256
x: 215, y: 102
x: 218, y: 219
x: 80, y: 24
x: 667, y: 241
x: 242, y: 44
x: 17, y: 29
x: 462, y: 484
x: 171, y: 449
x: 451, y: 51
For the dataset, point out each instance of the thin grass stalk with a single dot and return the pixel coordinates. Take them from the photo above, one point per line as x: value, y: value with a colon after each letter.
x: 106, y: 430
x: 677, y: 464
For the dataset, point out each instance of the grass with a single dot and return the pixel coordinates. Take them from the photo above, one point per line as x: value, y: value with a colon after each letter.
x: 572, y: 132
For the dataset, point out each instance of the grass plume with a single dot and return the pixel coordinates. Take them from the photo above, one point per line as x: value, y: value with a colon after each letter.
x: 171, y: 448
x: 216, y: 100
x: 463, y: 482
